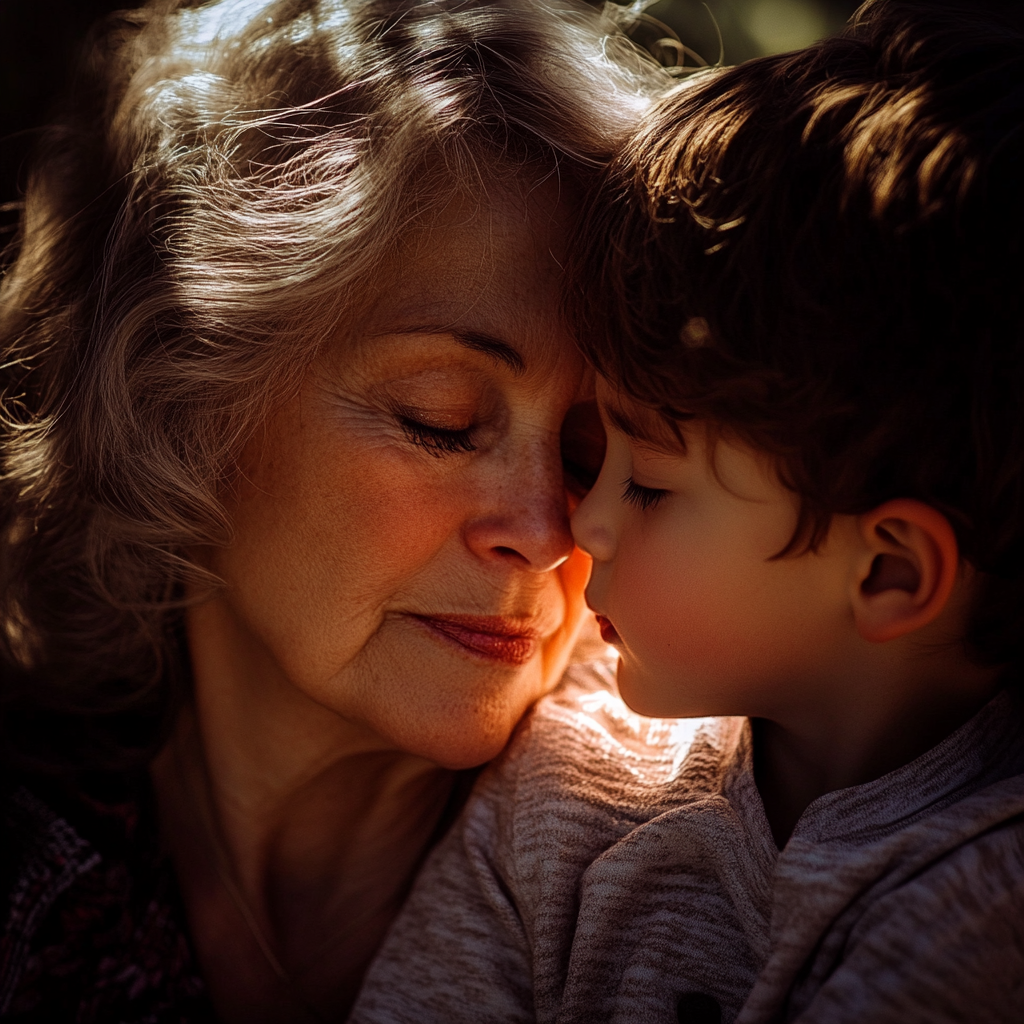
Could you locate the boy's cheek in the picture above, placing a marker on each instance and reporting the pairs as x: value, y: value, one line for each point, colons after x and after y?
x: 656, y: 604
x: 681, y: 648
x: 655, y: 624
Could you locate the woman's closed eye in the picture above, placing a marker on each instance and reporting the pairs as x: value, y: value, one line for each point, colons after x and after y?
x: 437, y: 441
x: 641, y: 497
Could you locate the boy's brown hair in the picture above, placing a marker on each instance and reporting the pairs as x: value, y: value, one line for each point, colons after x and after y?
x: 821, y: 251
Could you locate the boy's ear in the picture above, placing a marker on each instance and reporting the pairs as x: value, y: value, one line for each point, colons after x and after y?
x: 906, y: 569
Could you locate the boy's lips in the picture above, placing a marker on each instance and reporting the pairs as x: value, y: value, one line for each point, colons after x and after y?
x: 507, y: 640
x: 608, y: 632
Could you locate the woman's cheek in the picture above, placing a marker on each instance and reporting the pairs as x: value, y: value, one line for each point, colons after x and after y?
x: 391, y: 519
x: 572, y: 578
x: 327, y: 539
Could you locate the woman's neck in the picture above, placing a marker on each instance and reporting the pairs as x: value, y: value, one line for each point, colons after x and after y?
x: 295, y: 835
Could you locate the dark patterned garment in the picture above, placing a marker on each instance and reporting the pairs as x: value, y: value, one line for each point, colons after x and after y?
x: 94, y: 928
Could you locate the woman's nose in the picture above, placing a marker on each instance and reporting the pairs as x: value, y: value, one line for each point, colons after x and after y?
x: 525, y: 518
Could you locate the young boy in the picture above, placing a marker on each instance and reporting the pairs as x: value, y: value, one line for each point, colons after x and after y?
x: 801, y: 290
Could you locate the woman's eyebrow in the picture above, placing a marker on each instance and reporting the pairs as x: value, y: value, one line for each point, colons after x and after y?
x: 478, y: 341
x: 495, y: 347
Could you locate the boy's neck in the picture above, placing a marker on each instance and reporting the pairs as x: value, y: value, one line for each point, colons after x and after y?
x: 797, y: 762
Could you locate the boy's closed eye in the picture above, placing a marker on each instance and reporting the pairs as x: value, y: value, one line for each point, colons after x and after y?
x: 642, y: 497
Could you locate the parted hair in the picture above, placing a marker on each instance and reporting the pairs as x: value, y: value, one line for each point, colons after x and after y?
x: 217, y: 200
x: 821, y: 252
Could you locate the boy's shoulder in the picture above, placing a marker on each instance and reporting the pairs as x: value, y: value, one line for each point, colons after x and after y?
x: 489, y: 930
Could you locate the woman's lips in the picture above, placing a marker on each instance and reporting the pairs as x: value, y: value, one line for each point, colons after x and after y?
x: 608, y: 633
x: 505, y: 640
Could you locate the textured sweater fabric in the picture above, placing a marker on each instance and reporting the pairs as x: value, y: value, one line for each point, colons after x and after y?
x: 613, y: 868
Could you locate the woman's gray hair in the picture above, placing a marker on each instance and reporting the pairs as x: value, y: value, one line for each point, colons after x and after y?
x: 219, y: 195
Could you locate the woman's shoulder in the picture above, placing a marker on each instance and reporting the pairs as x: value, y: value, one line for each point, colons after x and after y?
x: 583, y: 770
x: 91, y: 926
x: 584, y: 742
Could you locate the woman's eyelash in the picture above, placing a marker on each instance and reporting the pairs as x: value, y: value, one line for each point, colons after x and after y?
x: 438, y: 441
x: 642, y: 498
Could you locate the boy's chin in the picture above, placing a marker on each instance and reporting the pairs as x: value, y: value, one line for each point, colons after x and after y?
x: 652, y: 696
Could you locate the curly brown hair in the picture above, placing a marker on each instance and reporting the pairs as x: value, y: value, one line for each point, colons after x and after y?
x: 820, y: 251
x: 216, y: 202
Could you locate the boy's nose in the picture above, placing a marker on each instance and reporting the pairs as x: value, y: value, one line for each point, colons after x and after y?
x: 591, y: 528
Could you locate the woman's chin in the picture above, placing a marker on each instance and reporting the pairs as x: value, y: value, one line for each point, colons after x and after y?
x: 464, y: 729
x: 466, y: 735
x: 463, y: 743
x: 443, y: 701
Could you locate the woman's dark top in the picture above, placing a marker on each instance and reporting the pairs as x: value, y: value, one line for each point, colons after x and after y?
x: 94, y: 926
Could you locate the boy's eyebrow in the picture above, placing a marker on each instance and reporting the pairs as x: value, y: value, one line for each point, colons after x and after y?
x: 650, y: 429
x: 621, y: 420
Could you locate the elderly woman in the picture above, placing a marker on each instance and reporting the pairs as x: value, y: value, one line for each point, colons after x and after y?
x: 288, y: 411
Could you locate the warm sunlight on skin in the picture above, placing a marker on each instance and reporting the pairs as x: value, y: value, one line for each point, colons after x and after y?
x: 415, y: 480
x: 707, y: 622
x: 848, y: 655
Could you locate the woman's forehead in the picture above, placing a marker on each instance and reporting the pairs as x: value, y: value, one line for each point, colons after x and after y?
x: 476, y: 234
x: 489, y: 272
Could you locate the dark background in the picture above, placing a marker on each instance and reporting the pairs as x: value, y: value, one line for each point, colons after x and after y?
x: 39, y: 38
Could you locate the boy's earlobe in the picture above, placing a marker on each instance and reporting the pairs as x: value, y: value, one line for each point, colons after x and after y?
x: 906, y: 570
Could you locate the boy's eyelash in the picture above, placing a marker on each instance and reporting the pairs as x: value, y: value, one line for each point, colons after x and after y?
x: 438, y: 441
x: 642, y: 498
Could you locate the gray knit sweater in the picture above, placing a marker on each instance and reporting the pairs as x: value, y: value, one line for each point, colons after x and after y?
x: 615, y: 868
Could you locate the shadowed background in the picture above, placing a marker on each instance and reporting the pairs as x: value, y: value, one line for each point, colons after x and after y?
x: 39, y: 38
